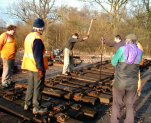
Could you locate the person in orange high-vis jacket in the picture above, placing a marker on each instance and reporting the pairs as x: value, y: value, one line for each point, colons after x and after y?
x: 35, y: 63
x: 8, y: 49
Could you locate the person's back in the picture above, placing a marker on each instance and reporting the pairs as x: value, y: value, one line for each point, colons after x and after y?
x: 127, y: 60
x: 71, y: 42
x: 126, y: 85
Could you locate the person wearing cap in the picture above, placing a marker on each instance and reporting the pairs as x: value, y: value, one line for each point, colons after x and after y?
x: 68, y: 55
x: 35, y: 63
x: 125, y: 87
x: 8, y: 49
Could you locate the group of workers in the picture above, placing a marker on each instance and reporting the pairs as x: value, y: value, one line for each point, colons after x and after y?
x: 127, y: 83
x: 34, y: 61
x: 126, y: 60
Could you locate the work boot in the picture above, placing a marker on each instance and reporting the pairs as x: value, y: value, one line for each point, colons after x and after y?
x: 11, y: 83
x: 26, y: 107
x: 5, y: 85
x: 67, y: 74
x: 39, y: 110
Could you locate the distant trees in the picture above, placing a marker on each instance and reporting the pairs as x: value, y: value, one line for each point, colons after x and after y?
x: 147, y: 4
x: 139, y: 22
x: 2, y: 25
x: 116, y: 10
x: 117, y: 17
x: 27, y: 11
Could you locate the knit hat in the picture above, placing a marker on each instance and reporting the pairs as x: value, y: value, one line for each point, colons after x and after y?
x: 132, y: 37
x: 38, y: 24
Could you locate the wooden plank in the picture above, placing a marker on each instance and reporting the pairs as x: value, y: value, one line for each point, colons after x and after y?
x: 54, y: 92
x: 105, y: 98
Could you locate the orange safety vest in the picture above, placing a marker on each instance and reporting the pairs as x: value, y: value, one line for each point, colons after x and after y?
x: 28, y: 58
x: 8, y: 46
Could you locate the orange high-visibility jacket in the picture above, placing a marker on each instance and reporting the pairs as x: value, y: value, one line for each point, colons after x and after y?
x: 8, y: 46
x: 28, y: 58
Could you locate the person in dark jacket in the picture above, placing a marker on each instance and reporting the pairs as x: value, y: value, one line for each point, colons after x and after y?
x: 126, y: 61
x: 35, y: 63
x: 117, y: 43
x: 68, y: 61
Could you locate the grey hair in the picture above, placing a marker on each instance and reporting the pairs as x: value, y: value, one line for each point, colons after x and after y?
x: 40, y: 30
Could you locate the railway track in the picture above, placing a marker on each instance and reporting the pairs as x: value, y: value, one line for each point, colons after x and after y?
x: 85, y: 96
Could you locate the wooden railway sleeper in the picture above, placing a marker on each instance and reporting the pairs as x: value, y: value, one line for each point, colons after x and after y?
x: 61, y: 117
x: 77, y: 97
x: 59, y: 108
x: 76, y: 106
x: 13, y: 94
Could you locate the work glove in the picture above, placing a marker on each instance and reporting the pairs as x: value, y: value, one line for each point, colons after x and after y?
x: 41, y: 73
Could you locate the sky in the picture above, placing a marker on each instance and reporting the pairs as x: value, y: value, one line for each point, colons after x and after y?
x: 5, y: 3
x: 73, y: 3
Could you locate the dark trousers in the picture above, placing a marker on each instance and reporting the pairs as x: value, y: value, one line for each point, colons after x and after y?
x: 34, y: 89
x: 121, y: 98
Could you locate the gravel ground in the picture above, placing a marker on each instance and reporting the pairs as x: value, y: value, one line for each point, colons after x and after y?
x: 142, y: 115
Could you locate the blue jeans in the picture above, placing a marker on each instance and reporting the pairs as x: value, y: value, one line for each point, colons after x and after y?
x: 8, y: 67
x: 34, y: 89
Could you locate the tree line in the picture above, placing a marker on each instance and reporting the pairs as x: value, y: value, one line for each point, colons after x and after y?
x: 112, y: 17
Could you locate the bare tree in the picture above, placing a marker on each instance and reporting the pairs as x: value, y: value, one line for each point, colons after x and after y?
x: 26, y: 10
x: 116, y: 9
x: 147, y: 6
x: 148, y: 13
x: 2, y: 23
